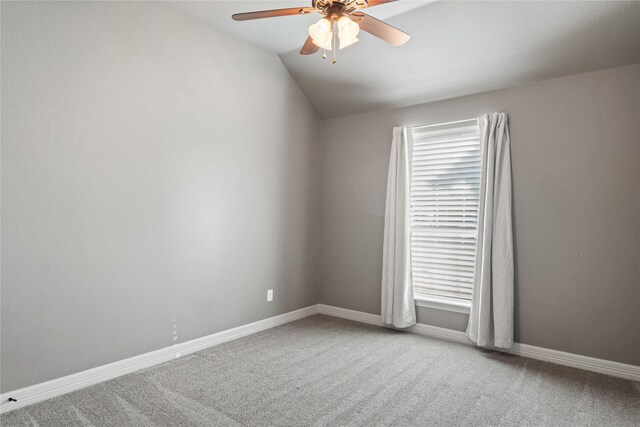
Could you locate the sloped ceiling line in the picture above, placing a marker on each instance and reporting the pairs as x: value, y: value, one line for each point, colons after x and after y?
x: 456, y: 48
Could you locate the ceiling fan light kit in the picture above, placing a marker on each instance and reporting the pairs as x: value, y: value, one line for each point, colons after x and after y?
x: 347, y: 31
x: 322, y: 33
x: 342, y: 18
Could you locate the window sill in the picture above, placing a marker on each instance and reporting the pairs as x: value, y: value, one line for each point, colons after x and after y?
x: 443, y: 304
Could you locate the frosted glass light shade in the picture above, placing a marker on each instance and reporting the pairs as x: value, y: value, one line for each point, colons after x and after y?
x: 321, y: 33
x: 347, y: 32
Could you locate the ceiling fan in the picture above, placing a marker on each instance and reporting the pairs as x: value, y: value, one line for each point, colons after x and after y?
x: 342, y: 19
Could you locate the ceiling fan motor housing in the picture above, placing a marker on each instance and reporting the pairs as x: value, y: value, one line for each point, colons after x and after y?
x: 334, y: 8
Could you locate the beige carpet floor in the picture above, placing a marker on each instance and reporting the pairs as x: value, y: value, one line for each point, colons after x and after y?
x: 324, y: 371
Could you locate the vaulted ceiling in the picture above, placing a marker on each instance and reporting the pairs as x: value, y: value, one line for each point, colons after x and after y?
x: 457, y: 48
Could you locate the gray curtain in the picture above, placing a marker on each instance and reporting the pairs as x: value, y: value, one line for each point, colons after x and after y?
x: 398, y: 306
x: 491, y: 315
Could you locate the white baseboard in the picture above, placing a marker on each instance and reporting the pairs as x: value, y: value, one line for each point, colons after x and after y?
x: 46, y: 390
x: 345, y: 313
x: 607, y: 367
x: 442, y: 333
x: 601, y: 366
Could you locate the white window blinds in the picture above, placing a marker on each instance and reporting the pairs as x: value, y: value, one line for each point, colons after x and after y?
x: 445, y: 188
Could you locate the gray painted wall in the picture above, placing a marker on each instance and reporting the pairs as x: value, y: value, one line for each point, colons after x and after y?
x: 157, y: 177
x: 576, y: 180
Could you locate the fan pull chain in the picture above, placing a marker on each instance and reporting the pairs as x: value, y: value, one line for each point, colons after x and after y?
x: 324, y: 53
x: 335, y: 46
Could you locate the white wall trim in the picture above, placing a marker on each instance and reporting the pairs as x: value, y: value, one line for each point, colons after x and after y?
x: 607, y: 367
x: 46, y: 390
x: 601, y: 366
x: 345, y: 313
x: 59, y: 386
x: 442, y: 333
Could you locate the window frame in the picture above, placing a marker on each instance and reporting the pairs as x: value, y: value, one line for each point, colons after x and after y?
x: 442, y: 303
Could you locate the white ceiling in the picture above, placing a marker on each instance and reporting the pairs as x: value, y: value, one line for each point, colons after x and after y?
x: 457, y: 48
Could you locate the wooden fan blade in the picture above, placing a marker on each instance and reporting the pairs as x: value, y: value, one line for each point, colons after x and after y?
x: 381, y: 29
x: 371, y: 3
x: 309, y: 47
x: 272, y: 13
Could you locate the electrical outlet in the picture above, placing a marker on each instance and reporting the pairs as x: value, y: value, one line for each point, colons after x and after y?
x: 270, y: 295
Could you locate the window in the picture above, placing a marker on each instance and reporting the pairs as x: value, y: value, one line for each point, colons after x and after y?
x: 445, y: 189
